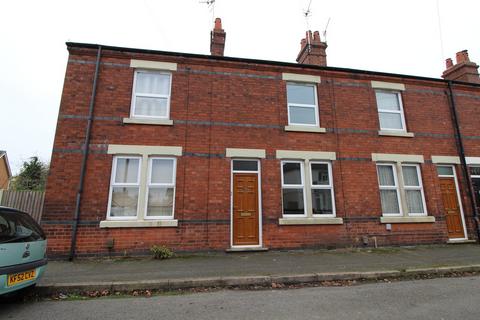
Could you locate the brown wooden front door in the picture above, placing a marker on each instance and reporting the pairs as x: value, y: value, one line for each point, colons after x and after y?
x: 245, y: 209
x: 452, y: 209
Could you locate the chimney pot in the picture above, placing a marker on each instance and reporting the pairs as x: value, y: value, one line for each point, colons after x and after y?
x: 449, y: 63
x: 218, y: 24
x: 462, y: 56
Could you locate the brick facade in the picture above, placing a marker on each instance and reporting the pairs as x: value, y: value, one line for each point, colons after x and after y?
x: 219, y: 103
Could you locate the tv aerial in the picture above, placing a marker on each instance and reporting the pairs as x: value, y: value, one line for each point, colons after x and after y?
x: 211, y: 6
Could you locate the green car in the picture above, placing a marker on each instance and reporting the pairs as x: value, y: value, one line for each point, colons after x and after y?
x: 23, y: 249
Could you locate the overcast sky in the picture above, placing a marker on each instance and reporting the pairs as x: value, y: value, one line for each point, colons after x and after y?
x: 400, y: 36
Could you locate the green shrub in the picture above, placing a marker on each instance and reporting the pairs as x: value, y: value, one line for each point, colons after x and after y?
x: 161, y: 252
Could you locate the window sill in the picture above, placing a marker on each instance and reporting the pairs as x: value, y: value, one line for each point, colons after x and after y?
x: 137, y: 223
x: 421, y: 219
x: 158, y: 122
x: 396, y: 134
x: 305, y: 129
x: 303, y: 221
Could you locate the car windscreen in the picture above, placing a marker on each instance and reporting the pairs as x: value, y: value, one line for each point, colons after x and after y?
x: 18, y: 227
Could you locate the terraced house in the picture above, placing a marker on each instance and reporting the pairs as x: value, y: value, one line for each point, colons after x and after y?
x: 207, y: 152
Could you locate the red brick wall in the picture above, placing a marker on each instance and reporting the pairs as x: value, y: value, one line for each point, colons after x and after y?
x: 245, y: 94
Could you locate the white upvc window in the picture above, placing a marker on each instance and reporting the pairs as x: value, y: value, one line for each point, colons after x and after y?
x: 151, y: 94
x: 302, y: 104
x: 390, y: 110
x: 401, y: 197
x: 389, y: 190
x: 124, y: 188
x: 293, y: 188
x: 323, y: 199
x: 414, y: 196
x: 160, y: 195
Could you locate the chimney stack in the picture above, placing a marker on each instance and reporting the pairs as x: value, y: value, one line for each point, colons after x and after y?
x: 312, y: 50
x: 464, y: 69
x: 217, y: 39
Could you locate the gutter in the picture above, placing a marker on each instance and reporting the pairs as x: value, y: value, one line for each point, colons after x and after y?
x: 85, y: 150
x: 264, y: 62
x: 461, y: 151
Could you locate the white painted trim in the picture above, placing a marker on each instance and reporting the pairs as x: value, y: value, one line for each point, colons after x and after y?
x: 305, y: 155
x: 446, y: 159
x: 396, y: 133
x: 260, y: 221
x: 391, y: 157
x: 303, y: 221
x: 144, y: 150
x: 158, y: 122
x: 305, y: 129
x: 472, y: 160
x: 300, y: 77
x: 410, y: 219
x: 154, y: 65
x: 138, y: 223
x: 245, y: 153
x: 388, y: 85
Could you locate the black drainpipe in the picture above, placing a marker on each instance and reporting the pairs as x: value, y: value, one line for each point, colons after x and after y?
x: 85, y: 149
x: 461, y: 150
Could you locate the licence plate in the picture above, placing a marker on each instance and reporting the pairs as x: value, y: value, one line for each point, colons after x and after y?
x: 16, y: 278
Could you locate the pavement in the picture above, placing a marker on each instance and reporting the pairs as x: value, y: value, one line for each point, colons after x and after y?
x: 257, y: 268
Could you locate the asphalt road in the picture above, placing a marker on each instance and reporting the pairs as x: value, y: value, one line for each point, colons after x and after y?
x: 451, y: 298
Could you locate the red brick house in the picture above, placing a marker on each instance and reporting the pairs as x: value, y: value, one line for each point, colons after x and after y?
x: 206, y: 152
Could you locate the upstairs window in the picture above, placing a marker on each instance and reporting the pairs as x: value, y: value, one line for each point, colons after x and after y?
x: 302, y: 104
x: 151, y: 95
x: 390, y: 110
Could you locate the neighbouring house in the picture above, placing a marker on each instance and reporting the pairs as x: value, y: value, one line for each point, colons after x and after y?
x: 207, y: 152
x: 5, y: 172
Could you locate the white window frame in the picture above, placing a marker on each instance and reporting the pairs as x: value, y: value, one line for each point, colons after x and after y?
x: 150, y: 95
x: 401, y: 189
x: 295, y: 186
x: 324, y: 187
x: 401, y: 111
x: 149, y: 184
x: 114, y: 184
x: 419, y: 187
x: 315, y: 107
x: 395, y: 187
